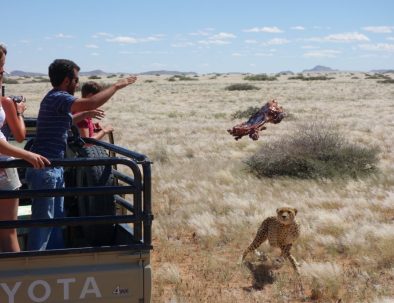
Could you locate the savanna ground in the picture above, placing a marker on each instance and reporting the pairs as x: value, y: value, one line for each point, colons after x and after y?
x: 207, y: 207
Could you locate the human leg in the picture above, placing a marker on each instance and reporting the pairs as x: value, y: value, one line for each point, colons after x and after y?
x: 42, y: 207
x: 8, y: 237
x: 56, y: 240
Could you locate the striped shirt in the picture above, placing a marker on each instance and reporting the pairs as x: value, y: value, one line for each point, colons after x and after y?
x: 53, y: 122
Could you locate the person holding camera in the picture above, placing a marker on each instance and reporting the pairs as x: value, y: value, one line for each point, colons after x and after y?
x: 53, y: 122
x: 12, y: 113
x: 84, y: 119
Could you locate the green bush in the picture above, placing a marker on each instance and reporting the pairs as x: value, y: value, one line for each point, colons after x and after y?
x: 314, y: 150
x: 311, y: 78
x: 241, y: 114
x: 94, y: 77
x: 241, y: 86
x: 10, y: 81
x: 260, y: 77
x: 182, y: 78
x: 377, y: 77
x: 386, y: 81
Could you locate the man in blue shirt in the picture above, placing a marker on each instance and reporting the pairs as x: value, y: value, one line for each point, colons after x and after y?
x: 53, y: 122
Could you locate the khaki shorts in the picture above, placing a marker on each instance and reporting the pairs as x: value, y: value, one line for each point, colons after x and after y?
x: 9, y: 179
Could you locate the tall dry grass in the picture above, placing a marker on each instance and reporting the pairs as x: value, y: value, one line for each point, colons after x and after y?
x: 208, y: 207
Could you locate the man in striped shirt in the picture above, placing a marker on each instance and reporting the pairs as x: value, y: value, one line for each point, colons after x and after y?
x: 53, y: 122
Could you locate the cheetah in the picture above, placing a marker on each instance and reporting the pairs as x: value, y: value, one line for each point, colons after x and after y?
x: 281, y: 231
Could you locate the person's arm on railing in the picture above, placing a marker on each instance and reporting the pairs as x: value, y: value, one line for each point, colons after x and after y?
x: 36, y: 160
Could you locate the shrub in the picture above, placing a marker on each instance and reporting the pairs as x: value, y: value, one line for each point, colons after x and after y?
x: 311, y: 78
x: 242, y: 86
x: 10, y: 81
x: 376, y: 77
x: 240, y: 114
x: 181, y: 78
x: 314, y: 150
x: 260, y: 77
x: 386, y: 81
x: 94, y: 77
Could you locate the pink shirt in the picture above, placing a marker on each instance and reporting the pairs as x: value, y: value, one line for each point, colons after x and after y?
x: 87, y: 123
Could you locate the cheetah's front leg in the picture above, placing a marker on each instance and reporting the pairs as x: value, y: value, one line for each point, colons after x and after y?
x: 260, y: 237
x: 286, y: 253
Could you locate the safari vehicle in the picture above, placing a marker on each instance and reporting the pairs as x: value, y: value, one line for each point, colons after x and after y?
x: 107, y: 229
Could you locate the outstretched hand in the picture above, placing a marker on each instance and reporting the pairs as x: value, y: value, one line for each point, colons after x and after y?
x: 95, y: 113
x: 125, y: 82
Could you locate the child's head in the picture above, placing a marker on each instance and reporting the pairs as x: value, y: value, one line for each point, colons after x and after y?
x: 90, y: 88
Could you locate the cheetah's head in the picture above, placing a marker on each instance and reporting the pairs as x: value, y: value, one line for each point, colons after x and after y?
x: 286, y: 215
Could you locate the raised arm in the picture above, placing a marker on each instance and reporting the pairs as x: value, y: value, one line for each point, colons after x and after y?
x: 95, y: 101
x: 14, y: 117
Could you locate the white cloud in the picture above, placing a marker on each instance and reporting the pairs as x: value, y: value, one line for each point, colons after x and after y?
x: 218, y: 39
x: 386, y: 47
x: 102, y: 34
x: 379, y: 29
x: 91, y: 46
x: 390, y: 38
x: 94, y: 54
x: 132, y: 40
x: 63, y: 36
x: 251, y: 41
x: 123, y: 40
x: 327, y: 53
x: 217, y: 42
x: 299, y: 28
x: 342, y: 37
x: 346, y: 37
x: 265, y: 29
x: 276, y: 41
x: 150, y: 39
x: 237, y: 55
x: 182, y: 44
x: 222, y: 36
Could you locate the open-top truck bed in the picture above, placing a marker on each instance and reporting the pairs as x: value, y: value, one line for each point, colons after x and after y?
x: 107, y: 231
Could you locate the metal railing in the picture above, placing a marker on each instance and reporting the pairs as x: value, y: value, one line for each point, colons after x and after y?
x: 138, y: 185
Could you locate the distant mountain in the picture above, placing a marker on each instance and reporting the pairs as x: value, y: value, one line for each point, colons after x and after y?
x: 19, y: 73
x: 320, y: 69
x: 96, y: 72
x: 167, y: 72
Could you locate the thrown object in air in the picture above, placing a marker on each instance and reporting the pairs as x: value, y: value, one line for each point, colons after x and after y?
x: 271, y: 112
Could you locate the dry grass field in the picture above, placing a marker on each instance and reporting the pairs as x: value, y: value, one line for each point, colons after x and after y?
x: 207, y: 207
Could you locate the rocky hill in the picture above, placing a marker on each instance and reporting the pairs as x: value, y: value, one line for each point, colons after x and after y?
x: 320, y: 69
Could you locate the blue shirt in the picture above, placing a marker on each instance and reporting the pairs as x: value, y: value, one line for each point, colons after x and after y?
x: 53, y: 122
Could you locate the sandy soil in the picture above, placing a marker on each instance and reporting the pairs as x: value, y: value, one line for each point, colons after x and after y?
x: 207, y: 207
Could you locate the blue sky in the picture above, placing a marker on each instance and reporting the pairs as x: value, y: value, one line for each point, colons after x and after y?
x: 203, y: 36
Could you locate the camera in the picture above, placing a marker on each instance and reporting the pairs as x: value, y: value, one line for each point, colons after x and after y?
x: 18, y: 99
